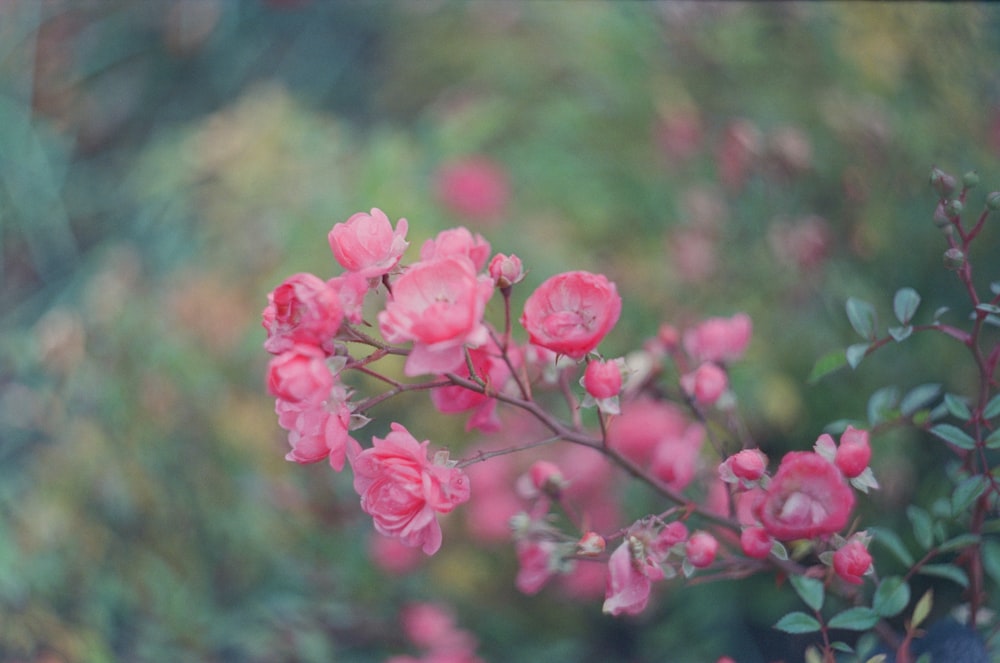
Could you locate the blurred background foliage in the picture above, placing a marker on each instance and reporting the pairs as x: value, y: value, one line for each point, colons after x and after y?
x: 163, y: 165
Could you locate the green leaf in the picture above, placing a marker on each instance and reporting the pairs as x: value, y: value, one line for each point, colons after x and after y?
x: 893, y: 543
x: 861, y: 315
x: 900, y: 334
x: 854, y: 619
x: 993, y: 441
x: 990, y: 552
x: 992, y: 408
x: 941, y: 311
x: 882, y: 404
x: 954, y: 435
x: 922, y: 524
x: 947, y: 571
x: 958, y: 407
x: 988, y: 308
x: 810, y: 590
x: 828, y: 363
x: 959, y: 542
x: 842, y: 646
x: 797, y: 622
x: 922, y: 609
x: 919, y: 397
x: 905, y: 304
x: 967, y: 492
x: 855, y: 353
x: 891, y: 597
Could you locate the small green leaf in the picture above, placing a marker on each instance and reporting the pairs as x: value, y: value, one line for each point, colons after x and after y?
x: 842, y: 646
x: 988, y: 308
x: 900, y: 334
x: 919, y: 397
x: 941, y: 311
x: 990, y: 552
x: 893, y: 543
x: 947, y: 571
x: 992, y: 408
x: 861, y: 315
x: 954, y: 435
x: 810, y: 590
x: 854, y: 619
x: 922, y: 609
x: 797, y: 622
x: 855, y: 353
x: 891, y: 597
x: 882, y: 404
x: 967, y: 492
x: 922, y: 524
x: 993, y: 441
x: 877, y: 658
x: 828, y: 363
x: 958, y: 407
x: 905, y: 304
x: 959, y: 542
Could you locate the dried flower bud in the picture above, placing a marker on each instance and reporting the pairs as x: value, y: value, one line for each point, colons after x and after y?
x: 954, y: 259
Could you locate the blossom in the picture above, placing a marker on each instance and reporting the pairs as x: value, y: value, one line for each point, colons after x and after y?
x: 756, y: 542
x: 316, y: 432
x: 807, y: 497
x: 570, y: 313
x: 438, y: 305
x: 631, y: 572
x: 457, y: 242
x: 367, y: 244
x: 473, y: 187
x: 701, y: 549
x: 535, y: 565
x: 643, y: 425
x: 303, y: 309
x: 602, y: 379
x: 489, y: 367
x: 719, y: 339
x: 403, y: 491
x: 675, y: 458
x: 747, y: 465
x: 706, y: 383
x: 506, y: 270
x: 853, y: 453
x: 851, y: 561
x: 300, y: 375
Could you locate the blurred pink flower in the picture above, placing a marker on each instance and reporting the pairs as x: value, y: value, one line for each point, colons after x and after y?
x: 489, y: 367
x: 392, y: 555
x: 701, y: 549
x: 303, y: 309
x: 367, y: 244
x: 741, y: 145
x: 641, y: 426
x: 439, y: 306
x: 756, y: 542
x: 719, y: 339
x: 745, y: 465
x: 570, y: 313
x: 300, y: 375
x: 807, y: 497
x: 403, y: 490
x: 534, y: 565
x: 457, y: 242
x: 675, y: 458
x: 476, y: 188
x: 706, y: 383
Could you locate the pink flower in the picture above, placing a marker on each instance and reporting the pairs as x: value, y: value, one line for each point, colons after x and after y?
x: 392, y: 556
x: 747, y: 465
x: 546, y: 477
x: 570, y: 313
x: 701, y: 549
x: 403, y: 491
x: 719, y: 339
x: 351, y: 287
x: 675, y: 458
x: 534, y: 565
x: 630, y: 579
x: 643, y: 424
x: 300, y: 375
x: 756, y: 542
x: 506, y: 270
x: 316, y: 432
x: 489, y: 367
x: 808, y: 497
x: 439, y: 306
x: 473, y: 187
x: 706, y: 383
x: 457, y: 242
x: 590, y: 544
x: 303, y: 309
x: 367, y: 244
x: 854, y: 452
x: 851, y: 561
x: 602, y: 379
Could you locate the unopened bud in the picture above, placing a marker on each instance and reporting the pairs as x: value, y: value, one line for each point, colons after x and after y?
x: 970, y: 179
x: 993, y: 201
x: 941, y: 219
x: 942, y: 182
x: 547, y: 478
x: 954, y: 259
x: 590, y: 544
x: 954, y: 207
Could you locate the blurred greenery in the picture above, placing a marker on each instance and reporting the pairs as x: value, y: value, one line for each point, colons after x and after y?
x: 163, y: 165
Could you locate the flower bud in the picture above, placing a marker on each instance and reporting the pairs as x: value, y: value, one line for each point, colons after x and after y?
x: 590, y: 544
x: 602, y: 379
x: 547, y: 478
x: 970, y: 179
x: 506, y: 270
x: 701, y: 549
x: 954, y: 259
x: 953, y: 207
x: 942, y: 182
x: 941, y: 219
x: 993, y: 201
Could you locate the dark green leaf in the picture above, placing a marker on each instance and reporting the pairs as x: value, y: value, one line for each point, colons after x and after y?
x: 993, y: 441
x: 900, y: 334
x: 842, y: 646
x: 905, y: 304
x: 797, y: 622
x: 881, y: 405
x: 991, y: 559
x: 861, y: 314
x: 992, y: 408
x: 922, y: 523
x: 954, y: 435
x: 893, y: 543
x: 959, y: 542
x: 854, y: 619
x: 828, y: 363
x: 855, y: 353
x: 891, y: 597
x: 810, y: 590
x: 919, y: 397
x: 958, y: 407
x: 948, y: 571
x: 967, y: 492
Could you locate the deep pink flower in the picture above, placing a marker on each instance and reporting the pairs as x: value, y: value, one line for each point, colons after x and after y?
x: 851, y: 561
x: 506, y: 270
x: 706, y: 383
x: 807, y: 497
x: 300, y: 375
x: 403, y: 490
x: 303, y: 309
x: 747, y: 465
x: 570, y: 313
x: 473, y: 187
x: 534, y: 565
x: 701, y: 549
x: 457, y: 242
x: 489, y: 367
x: 367, y: 244
x: 854, y: 452
x: 719, y: 339
x: 602, y: 379
x: 316, y: 432
x: 756, y: 542
x: 439, y: 306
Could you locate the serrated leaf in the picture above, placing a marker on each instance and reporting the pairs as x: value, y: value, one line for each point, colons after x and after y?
x: 855, y: 353
x: 854, y: 619
x: 861, y: 315
x: 992, y: 408
x: 919, y: 397
x: 828, y: 363
x: 957, y: 407
x: 809, y: 590
x: 954, y: 435
x: 947, y: 571
x: 891, y: 596
x: 797, y: 622
x: 900, y: 334
x: 922, y: 609
x: 993, y: 441
x: 892, y: 543
x: 905, y: 304
x: 922, y: 523
x: 958, y: 542
x: 881, y: 405
x: 967, y: 492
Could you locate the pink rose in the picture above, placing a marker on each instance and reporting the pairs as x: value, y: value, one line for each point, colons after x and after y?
x: 570, y: 313
x: 473, y: 187
x: 807, y: 497
x: 719, y: 339
x: 706, y: 383
x: 403, y: 491
x: 457, y: 242
x: 367, y: 244
x: 439, y: 306
x: 300, y: 375
x: 602, y: 379
x: 701, y: 549
x: 315, y: 432
x: 303, y: 309
x: 851, y: 561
